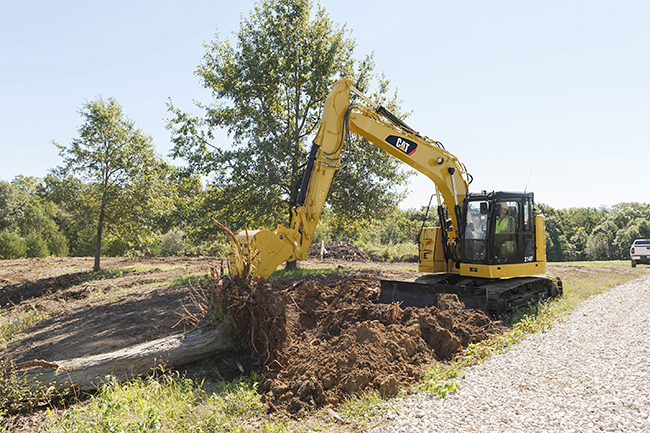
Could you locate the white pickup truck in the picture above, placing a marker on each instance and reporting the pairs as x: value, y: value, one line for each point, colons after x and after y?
x: 640, y: 252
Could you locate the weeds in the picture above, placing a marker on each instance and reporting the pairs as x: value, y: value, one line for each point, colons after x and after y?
x: 165, y: 402
x: 186, y: 280
x: 361, y: 409
x: 107, y: 273
x: 399, y: 252
x: 17, y: 395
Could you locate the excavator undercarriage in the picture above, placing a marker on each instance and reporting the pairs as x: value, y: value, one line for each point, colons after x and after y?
x: 494, y: 296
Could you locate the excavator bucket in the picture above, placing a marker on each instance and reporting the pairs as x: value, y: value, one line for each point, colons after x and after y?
x: 257, y: 252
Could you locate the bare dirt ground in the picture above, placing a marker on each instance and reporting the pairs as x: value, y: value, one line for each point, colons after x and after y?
x: 331, y: 339
x: 92, y: 314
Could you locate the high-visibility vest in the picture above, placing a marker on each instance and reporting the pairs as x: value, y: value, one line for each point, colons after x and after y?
x: 504, y: 224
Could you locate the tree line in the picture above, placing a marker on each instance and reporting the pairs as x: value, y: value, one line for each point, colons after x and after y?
x: 595, y: 233
x: 168, y: 212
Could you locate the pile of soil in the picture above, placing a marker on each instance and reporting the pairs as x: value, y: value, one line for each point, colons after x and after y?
x: 339, y: 251
x: 317, y: 340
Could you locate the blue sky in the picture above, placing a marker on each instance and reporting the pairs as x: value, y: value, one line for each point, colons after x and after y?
x: 555, y: 90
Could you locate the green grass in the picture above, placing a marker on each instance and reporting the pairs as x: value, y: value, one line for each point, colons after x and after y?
x: 404, y: 251
x: 185, y: 280
x: 107, y: 273
x: 167, y: 402
x: 360, y: 410
x: 296, y: 274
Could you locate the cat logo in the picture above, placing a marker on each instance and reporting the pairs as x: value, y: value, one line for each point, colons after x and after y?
x: 405, y: 145
x: 473, y: 269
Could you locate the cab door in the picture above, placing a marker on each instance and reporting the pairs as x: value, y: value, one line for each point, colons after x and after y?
x: 513, y: 228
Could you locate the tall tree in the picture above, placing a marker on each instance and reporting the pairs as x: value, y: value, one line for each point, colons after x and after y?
x: 112, y: 155
x: 268, y: 93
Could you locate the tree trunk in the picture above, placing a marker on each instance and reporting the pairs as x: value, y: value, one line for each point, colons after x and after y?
x: 90, y: 372
x: 98, y: 243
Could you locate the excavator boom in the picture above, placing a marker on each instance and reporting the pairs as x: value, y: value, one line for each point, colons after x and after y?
x: 483, y: 239
x: 381, y: 128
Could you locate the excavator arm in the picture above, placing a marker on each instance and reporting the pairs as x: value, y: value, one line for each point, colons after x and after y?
x: 263, y: 251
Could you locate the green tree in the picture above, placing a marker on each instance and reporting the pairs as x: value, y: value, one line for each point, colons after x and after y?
x: 75, y: 215
x: 268, y: 95
x: 598, y: 246
x: 40, y: 220
x: 555, y: 237
x: 137, y: 228
x: 13, y: 205
x: 29, y: 215
x: 12, y: 246
x: 35, y: 245
x: 113, y: 156
x: 579, y: 242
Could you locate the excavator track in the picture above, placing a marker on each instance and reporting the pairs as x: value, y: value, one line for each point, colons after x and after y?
x: 494, y: 296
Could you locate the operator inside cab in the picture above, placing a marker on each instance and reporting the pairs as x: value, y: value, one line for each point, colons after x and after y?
x: 505, y: 223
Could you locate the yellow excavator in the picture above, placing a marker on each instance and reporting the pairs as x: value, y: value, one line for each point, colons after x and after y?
x: 490, y: 249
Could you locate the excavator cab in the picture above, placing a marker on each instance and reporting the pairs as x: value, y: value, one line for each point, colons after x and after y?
x: 498, y: 228
x: 498, y: 236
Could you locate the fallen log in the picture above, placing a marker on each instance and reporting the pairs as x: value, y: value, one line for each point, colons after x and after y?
x: 90, y: 372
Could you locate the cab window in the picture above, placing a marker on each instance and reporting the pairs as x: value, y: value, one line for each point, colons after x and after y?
x: 475, y: 223
x: 474, y: 246
x: 506, y: 226
x: 506, y: 217
x: 528, y: 215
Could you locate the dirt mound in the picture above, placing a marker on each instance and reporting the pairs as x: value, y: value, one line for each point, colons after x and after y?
x: 317, y: 340
x: 338, y: 250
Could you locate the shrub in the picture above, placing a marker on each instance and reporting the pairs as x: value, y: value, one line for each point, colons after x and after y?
x: 35, y: 245
x: 12, y: 246
x: 172, y: 243
x: 57, y: 244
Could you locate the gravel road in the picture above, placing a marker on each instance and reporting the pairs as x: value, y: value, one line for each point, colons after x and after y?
x: 591, y: 372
